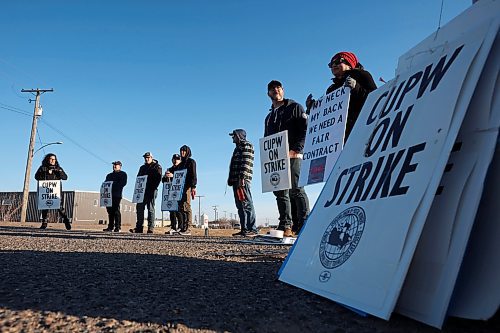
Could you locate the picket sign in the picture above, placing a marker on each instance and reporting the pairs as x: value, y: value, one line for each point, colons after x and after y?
x: 105, y: 197
x: 177, y: 188
x: 49, y: 194
x: 166, y: 204
x: 139, y: 189
x: 360, y: 238
x: 325, y: 136
x: 275, y: 163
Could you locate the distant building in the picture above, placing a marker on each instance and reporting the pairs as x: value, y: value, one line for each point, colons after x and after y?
x: 81, y: 207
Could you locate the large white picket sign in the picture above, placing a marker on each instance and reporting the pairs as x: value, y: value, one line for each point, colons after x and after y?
x: 139, y: 189
x: 106, y: 199
x: 177, y: 188
x: 275, y: 163
x: 49, y: 194
x: 359, y: 239
x: 325, y: 136
x: 430, y: 281
x: 166, y: 204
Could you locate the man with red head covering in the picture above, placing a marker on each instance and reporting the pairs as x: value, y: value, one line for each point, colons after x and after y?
x: 347, y: 71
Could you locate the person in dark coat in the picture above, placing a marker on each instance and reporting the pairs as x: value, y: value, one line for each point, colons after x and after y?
x: 189, y: 189
x: 152, y: 169
x: 286, y: 114
x: 347, y: 71
x: 119, y: 179
x: 51, y: 170
x: 175, y: 216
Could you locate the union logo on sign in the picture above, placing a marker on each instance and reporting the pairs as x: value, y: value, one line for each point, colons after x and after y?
x: 49, y: 203
x: 275, y: 179
x: 341, y: 237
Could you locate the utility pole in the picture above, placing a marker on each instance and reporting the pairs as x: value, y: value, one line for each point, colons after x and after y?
x: 199, y: 209
x: 215, y: 210
x: 36, y: 113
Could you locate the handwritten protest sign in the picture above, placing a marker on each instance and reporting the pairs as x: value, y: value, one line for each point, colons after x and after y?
x: 325, y: 136
x: 275, y: 164
x: 140, y: 188
x: 105, y: 194
x: 49, y: 194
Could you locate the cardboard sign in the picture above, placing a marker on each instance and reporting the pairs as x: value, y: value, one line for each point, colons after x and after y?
x: 105, y: 194
x: 168, y: 205
x: 177, y: 188
x: 139, y: 189
x: 275, y: 164
x: 325, y: 136
x: 49, y: 194
x: 359, y: 239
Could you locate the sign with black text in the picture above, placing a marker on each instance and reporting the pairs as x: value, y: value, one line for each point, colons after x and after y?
x: 177, y: 188
x: 49, y: 194
x: 325, y: 136
x: 105, y: 194
x: 275, y: 163
x: 139, y: 189
x: 166, y: 204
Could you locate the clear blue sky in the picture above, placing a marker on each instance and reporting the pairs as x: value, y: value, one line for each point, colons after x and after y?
x: 137, y: 76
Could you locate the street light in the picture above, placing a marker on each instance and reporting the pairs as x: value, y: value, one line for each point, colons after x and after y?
x: 47, y: 144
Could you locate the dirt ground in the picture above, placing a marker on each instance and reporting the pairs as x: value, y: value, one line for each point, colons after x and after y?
x: 86, y: 280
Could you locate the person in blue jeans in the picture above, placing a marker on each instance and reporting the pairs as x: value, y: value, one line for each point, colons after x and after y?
x: 152, y: 169
x: 240, y: 177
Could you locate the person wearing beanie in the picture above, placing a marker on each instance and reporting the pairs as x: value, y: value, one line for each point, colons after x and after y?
x: 175, y: 216
x: 286, y: 114
x: 188, y: 163
x: 119, y: 179
x: 347, y: 71
x: 152, y: 169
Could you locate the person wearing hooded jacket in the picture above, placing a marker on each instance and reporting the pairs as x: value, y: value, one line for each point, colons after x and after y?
x: 286, y: 114
x: 51, y: 170
x: 240, y: 177
x: 152, y: 169
x: 189, y: 189
x: 347, y: 71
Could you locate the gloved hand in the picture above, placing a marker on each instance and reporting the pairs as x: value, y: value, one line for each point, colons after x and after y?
x: 350, y: 82
x: 309, y: 103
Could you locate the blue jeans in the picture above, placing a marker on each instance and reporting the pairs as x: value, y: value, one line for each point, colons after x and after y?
x: 246, y: 211
x: 295, y: 194
x: 148, y: 203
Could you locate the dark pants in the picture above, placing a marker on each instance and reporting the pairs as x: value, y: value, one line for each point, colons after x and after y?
x: 295, y: 194
x: 185, y: 211
x: 149, y: 203
x: 62, y: 212
x: 175, y: 220
x: 246, y: 211
x: 114, y: 215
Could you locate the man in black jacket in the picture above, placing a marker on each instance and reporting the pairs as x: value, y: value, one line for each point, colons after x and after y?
x: 152, y: 169
x: 286, y: 114
x: 51, y: 170
x: 189, y: 189
x: 119, y: 179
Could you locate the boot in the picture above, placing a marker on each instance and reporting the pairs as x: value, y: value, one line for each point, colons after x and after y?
x: 67, y: 224
x: 44, y: 224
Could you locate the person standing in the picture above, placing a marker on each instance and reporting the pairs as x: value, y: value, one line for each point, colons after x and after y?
x: 189, y: 189
x: 119, y: 179
x: 347, y: 71
x: 286, y: 114
x: 152, y: 169
x: 51, y: 170
x: 175, y: 216
x: 240, y: 177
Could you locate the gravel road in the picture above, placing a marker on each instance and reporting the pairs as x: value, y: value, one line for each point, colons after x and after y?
x: 89, y: 281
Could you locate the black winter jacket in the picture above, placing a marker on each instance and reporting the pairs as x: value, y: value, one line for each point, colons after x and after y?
x: 154, y: 173
x: 189, y: 164
x: 290, y: 116
x: 364, y: 86
x: 57, y: 173
x: 119, y: 179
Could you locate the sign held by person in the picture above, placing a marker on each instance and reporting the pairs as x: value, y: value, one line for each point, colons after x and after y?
x: 105, y: 194
x: 166, y: 204
x: 177, y: 188
x: 325, y: 136
x: 275, y: 163
x: 49, y: 194
x: 140, y: 188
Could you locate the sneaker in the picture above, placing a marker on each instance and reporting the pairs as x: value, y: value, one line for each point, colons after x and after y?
x: 251, y: 233
x: 67, y: 224
x: 117, y: 230
x: 288, y: 232
x: 172, y: 232
x: 107, y: 229
x: 44, y: 225
x: 241, y: 233
x: 136, y: 231
x: 150, y: 231
x: 185, y: 233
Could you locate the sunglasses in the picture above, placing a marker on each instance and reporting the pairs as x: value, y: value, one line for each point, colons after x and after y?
x: 338, y: 61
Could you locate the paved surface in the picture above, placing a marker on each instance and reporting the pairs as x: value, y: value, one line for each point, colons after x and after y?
x: 89, y: 281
